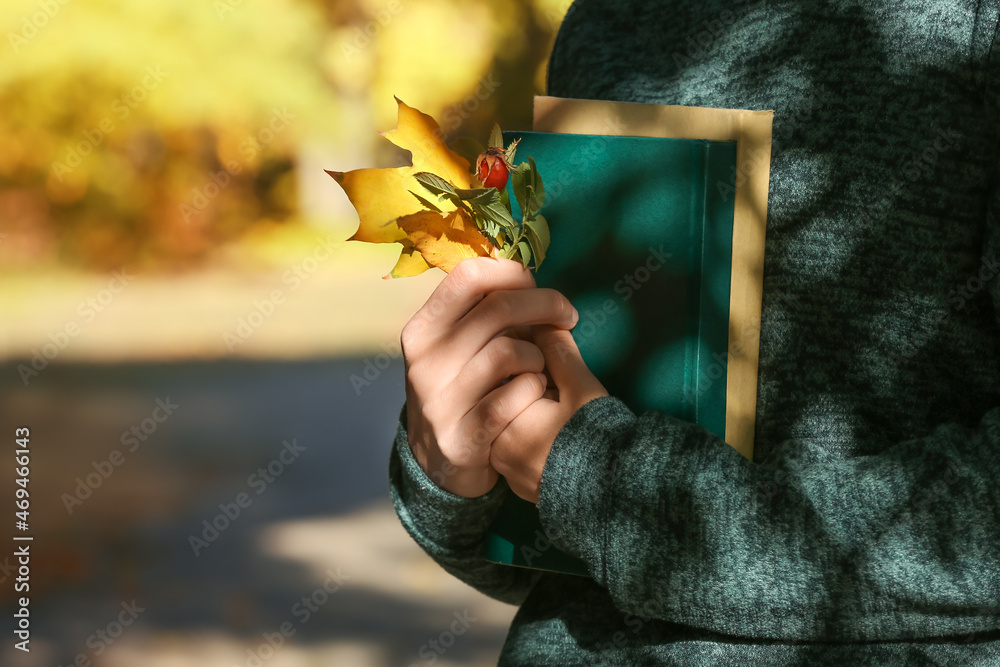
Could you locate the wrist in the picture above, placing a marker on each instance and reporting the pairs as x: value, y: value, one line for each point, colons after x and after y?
x: 468, y: 483
x: 461, y: 481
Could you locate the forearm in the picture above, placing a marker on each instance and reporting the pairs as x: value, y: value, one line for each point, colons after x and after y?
x: 679, y: 526
x: 451, y: 528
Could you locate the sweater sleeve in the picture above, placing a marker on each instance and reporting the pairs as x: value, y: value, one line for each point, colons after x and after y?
x: 679, y: 526
x: 451, y: 528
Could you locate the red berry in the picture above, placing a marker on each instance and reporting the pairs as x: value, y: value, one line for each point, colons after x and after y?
x: 492, y: 168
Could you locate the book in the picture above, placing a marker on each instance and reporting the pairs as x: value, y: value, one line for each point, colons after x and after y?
x: 656, y: 215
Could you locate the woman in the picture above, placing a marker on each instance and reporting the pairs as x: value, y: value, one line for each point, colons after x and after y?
x: 867, y: 528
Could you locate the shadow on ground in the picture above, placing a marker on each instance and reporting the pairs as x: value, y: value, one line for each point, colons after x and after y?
x: 308, y: 451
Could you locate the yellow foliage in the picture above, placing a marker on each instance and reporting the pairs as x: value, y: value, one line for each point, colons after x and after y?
x: 444, y: 239
x: 420, y: 134
x: 380, y: 196
x: 389, y: 213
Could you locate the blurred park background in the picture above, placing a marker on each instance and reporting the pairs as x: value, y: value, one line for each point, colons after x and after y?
x: 183, y: 328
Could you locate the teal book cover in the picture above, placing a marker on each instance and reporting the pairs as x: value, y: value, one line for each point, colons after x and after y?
x: 642, y: 245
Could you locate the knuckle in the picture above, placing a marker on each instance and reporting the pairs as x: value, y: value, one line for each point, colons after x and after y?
x: 407, y: 339
x: 537, y: 358
x: 429, y: 415
x: 496, y: 457
x: 411, y: 336
x: 535, y: 386
x: 469, y: 448
x: 503, y: 455
x: 497, y: 307
x: 480, y: 439
x: 467, y: 274
x: 494, y: 412
x: 501, y: 352
x: 412, y: 378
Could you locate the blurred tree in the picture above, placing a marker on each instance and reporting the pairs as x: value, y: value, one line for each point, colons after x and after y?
x: 468, y: 63
x: 150, y: 132
x: 135, y: 131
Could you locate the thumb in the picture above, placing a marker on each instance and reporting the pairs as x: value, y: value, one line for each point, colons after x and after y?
x: 565, y: 364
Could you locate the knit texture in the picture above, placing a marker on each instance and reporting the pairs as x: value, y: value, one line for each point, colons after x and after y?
x: 867, y: 528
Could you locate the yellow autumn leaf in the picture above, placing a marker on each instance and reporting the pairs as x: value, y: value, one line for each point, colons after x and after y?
x: 379, y: 196
x: 410, y: 263
x: 383, y: 199
x: 445, y: 239
x: 422, y: 136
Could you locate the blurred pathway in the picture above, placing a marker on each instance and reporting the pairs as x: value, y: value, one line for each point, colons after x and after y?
x: 319, y: 525
x: 322, y: 300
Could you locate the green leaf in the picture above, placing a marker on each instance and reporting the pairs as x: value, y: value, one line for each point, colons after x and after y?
x: 434, y: 183
x: 478, y: 195
x: 488, y: 203
x: 533, y: 207
x: 525, y: 251
x: 489, y: 228
x: 498, y: 213
x: 540, y: 227
x: 441, y: 187
x: 535, y: 190
x: 492, y: 238
x: 508, y: 251
x: 468, y: 148
x: 489, y: 225
x: 496, y: 137
x: 537, y: 233
x: 511, y: 151
x: 535, y: 250
x: 425, y: 202
x: 518, y: 183
x: 536, y: 183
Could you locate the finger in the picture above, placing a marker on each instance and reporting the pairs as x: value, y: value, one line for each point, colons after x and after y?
x: 497, y: 409
x: 522, y: 332
x: 565, y: 364
x: 501, y: 358
x: 463, y: 288
x: 501, y: 310
x: 511, y: 454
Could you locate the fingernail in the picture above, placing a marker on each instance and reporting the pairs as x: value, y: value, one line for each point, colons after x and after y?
x: 543, y: 378
x: 576, y: 317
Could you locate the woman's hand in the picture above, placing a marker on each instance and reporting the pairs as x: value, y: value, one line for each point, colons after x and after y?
x: 457, y: 359
x: 519, y: 453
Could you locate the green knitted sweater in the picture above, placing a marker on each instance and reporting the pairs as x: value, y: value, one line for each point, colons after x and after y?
x: 867, y: 528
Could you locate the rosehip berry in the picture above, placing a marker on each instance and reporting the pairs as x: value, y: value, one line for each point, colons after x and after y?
x: 492, y: 168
